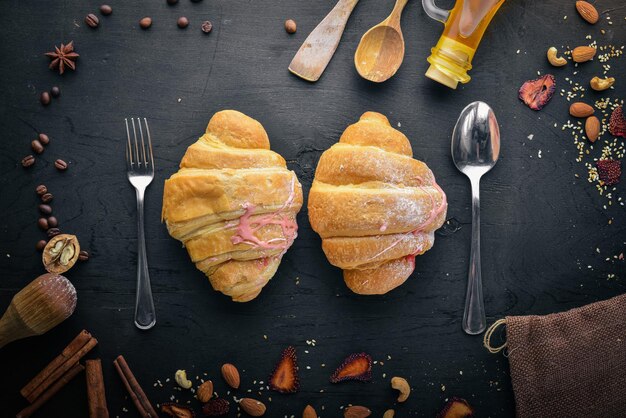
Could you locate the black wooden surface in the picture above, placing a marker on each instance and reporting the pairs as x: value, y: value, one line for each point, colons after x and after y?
x: 541, y: 225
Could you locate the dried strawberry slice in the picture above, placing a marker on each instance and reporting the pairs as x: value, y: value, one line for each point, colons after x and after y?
x: 609, y: 171
x: 177, y: 411
x: 537, y: 93
x: 216, y: 407
x: 357, y: 366
x: 617, y: 123
x: 456, y: 408
x: 284, y: 378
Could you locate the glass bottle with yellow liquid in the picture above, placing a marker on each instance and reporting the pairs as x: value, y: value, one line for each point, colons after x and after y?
x: 465, y: 24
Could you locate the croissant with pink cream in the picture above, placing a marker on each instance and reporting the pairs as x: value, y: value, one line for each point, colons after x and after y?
x: 233, y: 204
x: 375, y: 207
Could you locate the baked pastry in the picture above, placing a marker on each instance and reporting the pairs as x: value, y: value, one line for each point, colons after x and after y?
x: 233, y: 204
x: 374, y: 206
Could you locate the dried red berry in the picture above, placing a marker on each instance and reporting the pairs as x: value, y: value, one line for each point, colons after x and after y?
x: 357, y: 366
x: 216, y: 407
x: 177, y: 411
x: 537, y: 93
x: 609, y: 171
x: 284, y: 378
x: 456, y: 408
x: 617, y: 123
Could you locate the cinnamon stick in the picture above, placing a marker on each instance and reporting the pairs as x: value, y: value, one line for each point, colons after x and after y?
x: 96, y: 398
x: 71, y: 349
x: 141, y: 401
x: 51, y: 391
x: 59, y: 371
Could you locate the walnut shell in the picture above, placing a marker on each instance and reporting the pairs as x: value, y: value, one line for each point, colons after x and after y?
x: 61, y: 253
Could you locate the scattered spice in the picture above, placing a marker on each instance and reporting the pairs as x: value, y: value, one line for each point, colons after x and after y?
x: 145, y: 23
x: 182, y: 22
x: 537, y: 93
x: 106, y: 10
x: 44, y: 98
x: 290, y: 26
x: 62, y: 57
x: 206, y: 26
x: 55, y: 91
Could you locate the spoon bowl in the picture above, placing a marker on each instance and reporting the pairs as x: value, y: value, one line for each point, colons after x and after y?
x: 475, y: 150
x: 380, y: 53
x: 381, y: 50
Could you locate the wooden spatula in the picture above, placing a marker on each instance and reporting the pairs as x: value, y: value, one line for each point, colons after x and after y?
x: 43, y: 304
x: 317, y: 50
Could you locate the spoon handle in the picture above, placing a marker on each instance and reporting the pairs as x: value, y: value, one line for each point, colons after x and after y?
x: 474, y: 321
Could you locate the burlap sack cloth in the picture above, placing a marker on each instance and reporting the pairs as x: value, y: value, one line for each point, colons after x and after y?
x: 570, y: 364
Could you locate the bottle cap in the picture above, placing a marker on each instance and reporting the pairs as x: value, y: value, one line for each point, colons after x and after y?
x: 439, y: 76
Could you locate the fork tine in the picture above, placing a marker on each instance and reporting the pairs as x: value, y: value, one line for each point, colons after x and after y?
x: 137, y: 156
x: 149, y: 144
x: 143, y: 145
x: 129, y: 148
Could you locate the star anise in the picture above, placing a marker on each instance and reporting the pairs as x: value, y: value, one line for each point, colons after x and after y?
x: 62, y: 57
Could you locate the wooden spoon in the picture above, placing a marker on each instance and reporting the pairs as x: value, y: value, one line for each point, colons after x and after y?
x: 319, y: 47
x: 381, y: 50
x: 43, y: 304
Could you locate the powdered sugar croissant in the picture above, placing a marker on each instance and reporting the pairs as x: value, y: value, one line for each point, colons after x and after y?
x: 233, y: 204
x: 374, y: 206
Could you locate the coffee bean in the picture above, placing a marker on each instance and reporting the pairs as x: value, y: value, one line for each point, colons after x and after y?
x: 44, y: 98
x: 41, y: 244
x: 106, y: 10
x: 44, y: 139
x: 53, y: 232
x: 28, y: 161
x: 45, y: 209
x: 172, y: 2
x: 183, y: 22
x: 36, y: 146
x: 55, y: 91
x: 46, y: 197
x: 41, y: 189
x: 290, y: 26
x: 92, y: 20
x: 53, y: 222
x: 206, y: 26
x: 83, y: 255
x: 145, y: 23
x: 60, y: 165
x: 43, y: 223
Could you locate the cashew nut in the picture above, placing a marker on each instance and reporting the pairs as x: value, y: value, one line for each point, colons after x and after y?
x: 181, y: 379
x: 389, y: 413
x: 402, y: 385
x: 553, y: 59
x: 599, y: 84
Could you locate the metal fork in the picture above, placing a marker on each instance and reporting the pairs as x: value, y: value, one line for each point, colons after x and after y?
x: 140, y: 168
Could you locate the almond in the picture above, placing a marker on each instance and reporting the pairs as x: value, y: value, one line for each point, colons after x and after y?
x: 583, y: 53
x: 592, y: 128
x: 356, y: 412
x: 309, y: 412
x: 580, y: 110
x: 389, y: 413
x: 231, y: 375
x: 587, y: 11
x: 252, y: 407
x: 205, y: 391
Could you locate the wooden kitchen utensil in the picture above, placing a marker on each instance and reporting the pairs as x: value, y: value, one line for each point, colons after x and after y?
x: 381, y: 50
x: 317, y: 50
x: 40, y: 306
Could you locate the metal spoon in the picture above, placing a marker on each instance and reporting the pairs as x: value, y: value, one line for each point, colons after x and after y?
x: 475, y: 150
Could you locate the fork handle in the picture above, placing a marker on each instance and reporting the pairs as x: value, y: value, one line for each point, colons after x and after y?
x: 145, y: 316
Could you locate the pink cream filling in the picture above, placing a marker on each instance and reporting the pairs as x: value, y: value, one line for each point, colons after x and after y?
x: 246, y: 228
